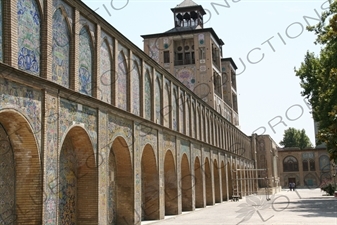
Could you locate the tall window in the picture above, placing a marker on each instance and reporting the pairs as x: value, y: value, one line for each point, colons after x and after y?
x: 312, y: 165
x: 305, y: 165
x: 290, y: 163
x: 166, y: 57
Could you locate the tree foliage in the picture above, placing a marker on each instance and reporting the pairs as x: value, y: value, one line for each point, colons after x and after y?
x: 295, y: 138
x: 318, y: 75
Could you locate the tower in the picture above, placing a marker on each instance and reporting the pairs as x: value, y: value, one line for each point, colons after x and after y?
x: 193, y: 54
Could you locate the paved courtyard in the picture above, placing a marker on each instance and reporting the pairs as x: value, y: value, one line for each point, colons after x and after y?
x: 304, y: 206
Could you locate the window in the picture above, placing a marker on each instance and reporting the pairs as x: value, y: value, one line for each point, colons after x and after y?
x: 290, y: 164
x: 166, y: 57
x: 312, y: 165
x: 305, y: 165
x: 180, y: 56
x: 202, y: 53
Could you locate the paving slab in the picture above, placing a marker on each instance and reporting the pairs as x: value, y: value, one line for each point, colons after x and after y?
x: 303, y: 206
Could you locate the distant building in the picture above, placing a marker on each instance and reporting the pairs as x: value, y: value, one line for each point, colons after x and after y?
x: 308, y: 168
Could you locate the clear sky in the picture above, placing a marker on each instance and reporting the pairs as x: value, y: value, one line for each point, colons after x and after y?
x: 269, y: 37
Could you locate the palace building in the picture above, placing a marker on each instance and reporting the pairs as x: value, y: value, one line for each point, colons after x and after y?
x: 93, y: 130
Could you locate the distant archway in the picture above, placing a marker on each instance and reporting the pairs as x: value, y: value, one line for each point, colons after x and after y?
x: 121, y: 188
x: 186, y: 185
x: 224, y: 183
x: 217, y: 193
x: 171, y: 190
x: 78, y: 202
x: 208, y: 177
x: 150, y: 185
x: 199, y: 202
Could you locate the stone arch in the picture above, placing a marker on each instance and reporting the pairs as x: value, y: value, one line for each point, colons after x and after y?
x: 217, y: 193
x: 186, y: 184
x: 208, y: 178
x: 223, y: 181
x: 171, y: 190
x: 21, y: 171
x: 78, y: 198
x: 121, y: 188
x: 198, y: 182
x: 150, y: 185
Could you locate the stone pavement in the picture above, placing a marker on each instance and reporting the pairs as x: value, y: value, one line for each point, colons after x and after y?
x: 304, y: 206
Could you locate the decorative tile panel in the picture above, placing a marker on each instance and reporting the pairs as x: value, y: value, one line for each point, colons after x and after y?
x: 61, y: 50
x: 85, y: 62
x: 28, y: 36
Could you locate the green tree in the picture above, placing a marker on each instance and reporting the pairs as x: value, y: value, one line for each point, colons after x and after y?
x: 295, y: 138
x: 318, y: 75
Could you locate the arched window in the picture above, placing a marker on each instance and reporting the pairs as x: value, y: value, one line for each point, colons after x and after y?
x: 324, y: 163
x: 290, y: 163
x: 305, y: 165
x: 29, y: 36
x: 312, y: 165
x: 85, y: 62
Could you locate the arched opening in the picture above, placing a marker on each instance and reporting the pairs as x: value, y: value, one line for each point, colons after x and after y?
x: 230, y: 181
x: 290, y: 164
x: 186, y: 185
x: 199, y: 202
x: 121, y: 194
x: 216, y: 182
x: 20, y: 170
x: 171, y: 190
x: 78, y: 198
x: 208, y: 177
x: 223, y: 180
x: 150, y: 185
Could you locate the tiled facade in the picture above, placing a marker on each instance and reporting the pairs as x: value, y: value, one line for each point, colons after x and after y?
x: 307, y: 168
x: 94, y: 131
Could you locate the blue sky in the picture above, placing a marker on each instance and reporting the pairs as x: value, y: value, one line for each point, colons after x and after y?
x: 270, y: 38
